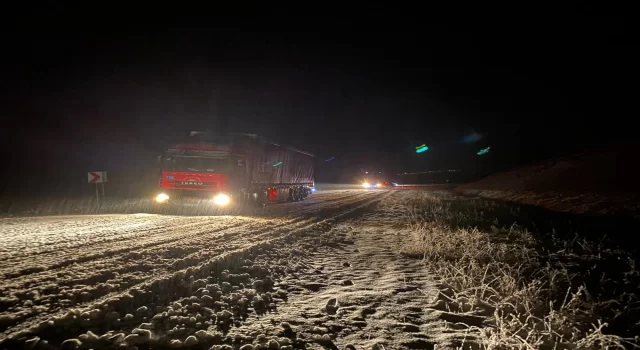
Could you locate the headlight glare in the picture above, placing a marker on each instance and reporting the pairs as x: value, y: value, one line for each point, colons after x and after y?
x: 221, y: 199
x: 162, y: 198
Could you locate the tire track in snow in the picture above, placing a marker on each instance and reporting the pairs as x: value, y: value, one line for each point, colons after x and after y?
x: 46, y: 234
x: 78, y: 256
x: 97, y: 268
x: 314, y: 204
x: 159, y: 240
x: 250, y: 238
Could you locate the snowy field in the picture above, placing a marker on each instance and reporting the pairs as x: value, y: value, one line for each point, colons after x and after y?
x: 345, y: 269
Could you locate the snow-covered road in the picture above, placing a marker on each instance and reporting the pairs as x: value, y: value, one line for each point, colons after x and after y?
x: 114, y: 275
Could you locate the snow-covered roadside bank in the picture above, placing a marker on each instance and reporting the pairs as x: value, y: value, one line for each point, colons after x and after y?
x: 626, y: 205
x: 512, y: 280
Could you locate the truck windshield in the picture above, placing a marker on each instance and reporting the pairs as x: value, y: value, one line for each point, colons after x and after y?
x: 199, y: 164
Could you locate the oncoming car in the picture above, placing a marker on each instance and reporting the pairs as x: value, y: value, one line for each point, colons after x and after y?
x: 371, y: 183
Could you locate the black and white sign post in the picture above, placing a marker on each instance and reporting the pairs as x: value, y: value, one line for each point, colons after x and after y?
x: 97, y: 177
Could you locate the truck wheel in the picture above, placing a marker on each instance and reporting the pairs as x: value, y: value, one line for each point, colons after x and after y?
x: 258, y: 199
x: 295, y: 195
x: 300, y: 192
x: 263, y: 198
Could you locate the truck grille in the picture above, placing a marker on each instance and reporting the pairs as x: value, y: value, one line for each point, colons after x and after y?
x: 193, y: 184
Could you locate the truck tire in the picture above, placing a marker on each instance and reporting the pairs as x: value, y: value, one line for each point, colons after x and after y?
x: 300, y: 192
x: 258, y: 199
x: 263, y: 199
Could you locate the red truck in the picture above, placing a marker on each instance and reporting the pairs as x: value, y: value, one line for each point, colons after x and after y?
x: 231, y: 168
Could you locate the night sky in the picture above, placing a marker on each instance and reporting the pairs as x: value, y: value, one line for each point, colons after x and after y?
x: 104, y: 89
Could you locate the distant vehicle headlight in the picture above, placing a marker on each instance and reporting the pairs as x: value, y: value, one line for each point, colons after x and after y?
x: 162, y: 198
x: 366, y: 185
x: 221, y: 199
x: 378, y: 185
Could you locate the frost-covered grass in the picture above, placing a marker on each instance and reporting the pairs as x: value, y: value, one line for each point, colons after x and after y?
x: 535, y: 291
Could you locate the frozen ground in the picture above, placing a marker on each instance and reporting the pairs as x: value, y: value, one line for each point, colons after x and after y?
x: 324, y: 273
x: 64, y: 276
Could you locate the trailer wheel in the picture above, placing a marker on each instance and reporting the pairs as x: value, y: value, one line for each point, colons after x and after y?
x: 258, y: 199
x: 300, y: 192
x: 263, y: 198
x: 296, y: 196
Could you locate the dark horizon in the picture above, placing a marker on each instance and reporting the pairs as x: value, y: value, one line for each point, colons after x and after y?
x: 537, y: 85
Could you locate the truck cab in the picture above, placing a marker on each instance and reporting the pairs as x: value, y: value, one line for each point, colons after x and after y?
x: 198, y: 171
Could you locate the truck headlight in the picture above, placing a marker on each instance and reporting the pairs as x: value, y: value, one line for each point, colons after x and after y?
x: 365, y: 185
x: 162, y: 198
x: 221, y: 199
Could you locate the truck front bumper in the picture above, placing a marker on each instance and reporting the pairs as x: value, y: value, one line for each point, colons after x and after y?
x: 219, y: 199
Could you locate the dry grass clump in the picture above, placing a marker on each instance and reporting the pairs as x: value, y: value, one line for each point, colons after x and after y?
x: 531, y: 295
